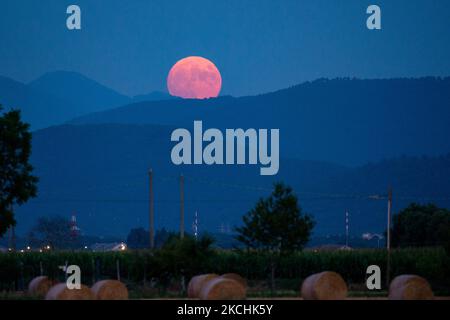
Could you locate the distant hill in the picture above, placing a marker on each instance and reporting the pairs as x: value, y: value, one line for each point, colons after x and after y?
x: 355, y: 129
x: 100, y: 171
x: 57, y: 97
x: 152, y: 96
x: 38, y: 108
x: 346, y: 121
x: 86, y: 94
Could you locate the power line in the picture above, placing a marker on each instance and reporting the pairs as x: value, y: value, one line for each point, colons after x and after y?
x: 321, y: 197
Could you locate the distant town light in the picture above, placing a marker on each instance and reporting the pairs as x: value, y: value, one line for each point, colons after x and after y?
x: 369, y: 236
x: 28, y: 247
x: 366, y: 236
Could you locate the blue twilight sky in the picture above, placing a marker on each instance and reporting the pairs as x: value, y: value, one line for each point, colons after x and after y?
x: 257, y: 45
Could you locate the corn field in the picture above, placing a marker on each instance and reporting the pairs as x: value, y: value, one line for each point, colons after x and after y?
x: 155, y: 268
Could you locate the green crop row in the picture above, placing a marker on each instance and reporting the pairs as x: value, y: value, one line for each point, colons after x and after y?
x: 137, y: 267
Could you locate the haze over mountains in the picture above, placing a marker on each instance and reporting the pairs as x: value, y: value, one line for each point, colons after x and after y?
x: 58, y: 96
x: 95, y: 160
x: 344, y: 120
x: 86, y: 94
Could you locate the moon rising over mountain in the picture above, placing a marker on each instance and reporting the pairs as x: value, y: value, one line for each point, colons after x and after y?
x: 194, y: 78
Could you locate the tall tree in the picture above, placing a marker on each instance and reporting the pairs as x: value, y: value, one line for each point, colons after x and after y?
x: 52, y: 231
x: 276, y: 225
x: 17, y: 184
x: 421, y: 225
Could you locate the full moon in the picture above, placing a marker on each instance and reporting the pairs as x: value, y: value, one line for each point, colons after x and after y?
x: 194, y: 78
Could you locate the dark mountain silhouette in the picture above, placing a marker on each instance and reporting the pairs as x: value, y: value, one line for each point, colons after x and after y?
x: 343, y: 120
x: 88, y: 95
x: 57, y: 97
x: 98, y: 166
x: 152, y: 96
x: 100, y: 172
x: 38, y: 108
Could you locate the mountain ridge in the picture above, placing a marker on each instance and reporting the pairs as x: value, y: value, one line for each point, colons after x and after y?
x: 89, y: 95
x: 324, y: 120
x: 58, y: 96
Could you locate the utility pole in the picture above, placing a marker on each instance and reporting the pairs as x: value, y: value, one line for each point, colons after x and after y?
x: 13, y: 233
x: 152, y: 213
x: 388, y: 242
x: 346, y: 229
x: 10, y: 244
x: 13, y: 238
x: 183, y: 279
x: 388, y: 237
x: 181, y: 206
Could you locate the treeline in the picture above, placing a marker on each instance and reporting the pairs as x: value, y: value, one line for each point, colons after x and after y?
x: 163, y: 268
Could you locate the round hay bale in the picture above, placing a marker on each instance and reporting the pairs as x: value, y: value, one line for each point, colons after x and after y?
x: 39, y: 286
x: 410, y: 287
x: 235, y: 277
x: 222, y: 289
x: 61, y: 292
x: 325, y: 285
x: 109, y: 290
x: 196, y: 284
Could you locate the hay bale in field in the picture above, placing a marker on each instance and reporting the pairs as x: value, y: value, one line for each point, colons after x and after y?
x: 39, y: 286
x: 325, y: 285
x: 410, y: 287
x: 61, y: 292
x: 235, y: 277
x: 196, y: 284
x: 110, y: 290
x: 222, y: 289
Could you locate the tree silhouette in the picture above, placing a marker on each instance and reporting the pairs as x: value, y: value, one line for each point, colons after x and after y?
x: 17, y: 184
x: 421, y: 225
x: 52, y: 231
x: 276, y: 225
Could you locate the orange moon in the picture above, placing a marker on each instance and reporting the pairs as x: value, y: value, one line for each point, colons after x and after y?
x: 194, y: 78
